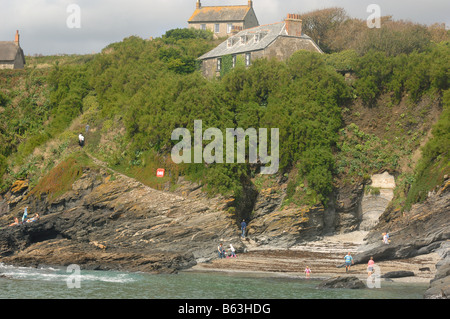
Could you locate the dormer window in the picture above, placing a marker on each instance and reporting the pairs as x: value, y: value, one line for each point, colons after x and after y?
x: 230, y: 42
x: 243, y: 39
x: 257, y: 37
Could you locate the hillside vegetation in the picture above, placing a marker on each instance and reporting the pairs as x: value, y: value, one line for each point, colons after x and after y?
x: 136, y: 92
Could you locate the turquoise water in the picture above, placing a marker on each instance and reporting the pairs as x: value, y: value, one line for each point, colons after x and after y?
x: 53, y: 283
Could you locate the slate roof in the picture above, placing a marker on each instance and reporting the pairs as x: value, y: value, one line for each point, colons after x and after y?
x: 265, y: 34
x: 9, y: 50
x: 220, y: 13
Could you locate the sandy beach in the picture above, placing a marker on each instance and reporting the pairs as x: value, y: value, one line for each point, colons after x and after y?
x: 323, y: 257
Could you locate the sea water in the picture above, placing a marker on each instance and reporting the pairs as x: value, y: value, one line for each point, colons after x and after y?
x: 56, y: 283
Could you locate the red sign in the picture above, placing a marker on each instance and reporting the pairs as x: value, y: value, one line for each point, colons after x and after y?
x: 160, y: 172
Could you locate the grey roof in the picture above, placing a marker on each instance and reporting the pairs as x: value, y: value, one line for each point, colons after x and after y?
x: 9, y: 50
x: 220, y: 13
x: 265, y: 35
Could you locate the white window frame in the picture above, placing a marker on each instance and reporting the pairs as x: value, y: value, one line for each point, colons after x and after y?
x: 234, y: 60
x: 219, y: 64
x: 248, y: 59
x: 217, y: 28
x: 229, y: 28
x: 203, y: 26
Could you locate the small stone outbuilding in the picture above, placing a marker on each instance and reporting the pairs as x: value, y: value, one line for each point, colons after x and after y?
x: 11, y: 54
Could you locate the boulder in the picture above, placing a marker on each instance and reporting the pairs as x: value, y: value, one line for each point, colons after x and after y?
x: 398, y: 274
x: 440, y: 285
x: 345, y: 282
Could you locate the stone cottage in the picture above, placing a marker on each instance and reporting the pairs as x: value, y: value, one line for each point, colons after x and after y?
x: 11, y: 54
x: 222, y: 20
x: 278, y: 40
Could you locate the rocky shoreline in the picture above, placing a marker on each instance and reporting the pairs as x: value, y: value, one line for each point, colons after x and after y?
x: 324, y: 257
x: 106, y: 223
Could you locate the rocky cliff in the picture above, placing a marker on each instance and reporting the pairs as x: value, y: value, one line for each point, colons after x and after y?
x: 107, y: 222
x: 110, y: 221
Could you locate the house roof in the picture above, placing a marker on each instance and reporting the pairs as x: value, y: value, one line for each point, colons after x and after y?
x: 9, y: 50
x: 220, y: 13
x: 256, y: 39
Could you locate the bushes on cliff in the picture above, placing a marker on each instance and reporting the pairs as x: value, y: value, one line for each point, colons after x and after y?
x: 435, y: 161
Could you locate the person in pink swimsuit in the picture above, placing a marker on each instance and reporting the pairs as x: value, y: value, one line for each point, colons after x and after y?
x: 370, y: 266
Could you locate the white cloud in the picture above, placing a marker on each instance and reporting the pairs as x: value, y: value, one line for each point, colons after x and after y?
x: 43, y: 28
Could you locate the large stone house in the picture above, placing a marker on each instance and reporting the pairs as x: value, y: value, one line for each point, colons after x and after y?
x: 222, y: 20
x: 278, y: 40
x: 11, y: 54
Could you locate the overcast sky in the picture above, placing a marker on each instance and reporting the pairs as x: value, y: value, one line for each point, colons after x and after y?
x: 43, y: 23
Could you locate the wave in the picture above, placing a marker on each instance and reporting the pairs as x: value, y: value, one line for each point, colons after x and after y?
x: 61, y: 274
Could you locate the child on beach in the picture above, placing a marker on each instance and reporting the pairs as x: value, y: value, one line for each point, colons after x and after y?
x: 370, y: 266
x: 307, y: 271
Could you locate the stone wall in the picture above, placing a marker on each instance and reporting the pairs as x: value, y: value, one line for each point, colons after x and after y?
x: 376, y: 199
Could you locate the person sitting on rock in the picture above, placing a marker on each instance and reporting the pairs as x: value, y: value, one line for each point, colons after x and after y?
x: 16, y: 222
x: 34, y: 219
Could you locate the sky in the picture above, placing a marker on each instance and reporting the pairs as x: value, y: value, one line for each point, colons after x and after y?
x: 44, y: 28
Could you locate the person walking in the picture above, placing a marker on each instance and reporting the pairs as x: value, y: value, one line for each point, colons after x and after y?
x: 81, y: 140
x: 233, y: 251
x: 348, y: 262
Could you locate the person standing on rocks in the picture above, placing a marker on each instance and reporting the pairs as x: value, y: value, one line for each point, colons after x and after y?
x: 221, y: 251
x: 307, y: 271
x: 243, y: 228
x: 348, y: 262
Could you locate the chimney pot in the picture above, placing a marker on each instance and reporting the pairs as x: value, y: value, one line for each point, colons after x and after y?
x: 294, y: 25
x: 16, y: 40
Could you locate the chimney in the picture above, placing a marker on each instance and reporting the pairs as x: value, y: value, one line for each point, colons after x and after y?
x: 294, y: 25
x: 250, y: 3
x: 16, y: 40
x: 199, y: 4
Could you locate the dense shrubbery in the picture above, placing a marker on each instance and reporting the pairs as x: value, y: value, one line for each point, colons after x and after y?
x: 151, y: 87
x: 435, y: 162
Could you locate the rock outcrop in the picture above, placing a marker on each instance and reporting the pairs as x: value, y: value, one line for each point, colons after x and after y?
x: 119, y: 223
x: 376, y: 199
x: 420, y: 231
x: 440, y: 285
x: 342, y: 282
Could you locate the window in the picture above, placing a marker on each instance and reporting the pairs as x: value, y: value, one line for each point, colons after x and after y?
x: 203, y: 27
x: 234, y: 61
x: 229, y: 27
x: 230, y: 42
x: 243, y: 39
x: 219, y: 64
x: 248, y: 59
x: 217, y: 28
x: 257, y: 36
